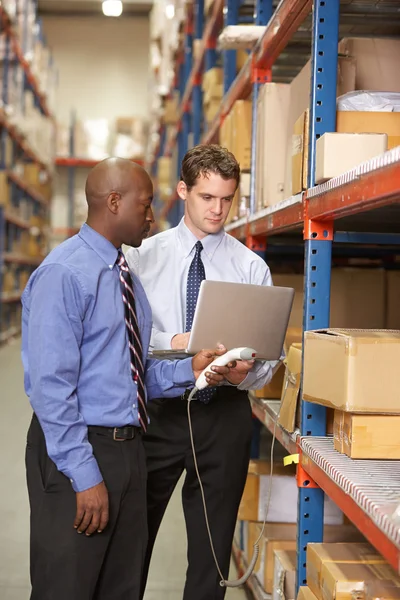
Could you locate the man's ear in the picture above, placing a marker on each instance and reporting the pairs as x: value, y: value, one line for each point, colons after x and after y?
x: 113, y: 201
x: 182, y: 190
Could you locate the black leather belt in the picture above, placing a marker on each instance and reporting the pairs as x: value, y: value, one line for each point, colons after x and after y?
x: 118, y: 434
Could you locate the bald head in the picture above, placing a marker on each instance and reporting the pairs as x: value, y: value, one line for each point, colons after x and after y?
x: 112, y: 175
x: 119, y: 194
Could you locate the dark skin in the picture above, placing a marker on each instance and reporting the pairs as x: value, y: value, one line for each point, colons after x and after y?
x: 119, y: 194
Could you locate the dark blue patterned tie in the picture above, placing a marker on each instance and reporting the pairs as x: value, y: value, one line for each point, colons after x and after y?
x: 195, y: 276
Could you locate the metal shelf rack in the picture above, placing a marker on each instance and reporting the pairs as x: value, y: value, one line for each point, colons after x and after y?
x: 364, y: 204
x: 26, y: 204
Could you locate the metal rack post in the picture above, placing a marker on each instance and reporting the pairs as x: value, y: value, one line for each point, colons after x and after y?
x: 231, y: 18
x: 71, y: 173
x: 317, y: 261
x: 197, y: 96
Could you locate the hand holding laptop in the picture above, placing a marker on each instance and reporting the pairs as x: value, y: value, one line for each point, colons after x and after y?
x: 180, y: 340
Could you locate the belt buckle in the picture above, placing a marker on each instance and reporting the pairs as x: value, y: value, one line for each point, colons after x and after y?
x: 115, y: 435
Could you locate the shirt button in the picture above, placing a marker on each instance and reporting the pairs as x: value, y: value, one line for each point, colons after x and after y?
x: 110, y: 266
x: 133, y: 405
x: 71, y: 480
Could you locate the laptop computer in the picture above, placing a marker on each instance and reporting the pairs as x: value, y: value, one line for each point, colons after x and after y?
x: 237, y: 315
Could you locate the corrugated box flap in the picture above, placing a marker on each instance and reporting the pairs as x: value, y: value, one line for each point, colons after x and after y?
x: 367, y: 335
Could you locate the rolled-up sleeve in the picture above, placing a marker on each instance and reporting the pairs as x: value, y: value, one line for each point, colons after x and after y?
x: 53, y: 337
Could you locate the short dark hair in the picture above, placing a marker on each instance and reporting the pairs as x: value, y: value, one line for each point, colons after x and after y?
x: 206, y: 159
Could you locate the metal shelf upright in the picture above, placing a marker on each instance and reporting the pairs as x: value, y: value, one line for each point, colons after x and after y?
x: 22, y: 206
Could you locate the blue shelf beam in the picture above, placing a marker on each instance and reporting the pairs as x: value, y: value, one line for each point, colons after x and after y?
x: 231, y: 18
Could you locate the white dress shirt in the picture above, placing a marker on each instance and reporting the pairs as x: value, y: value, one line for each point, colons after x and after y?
x: 162, y: 264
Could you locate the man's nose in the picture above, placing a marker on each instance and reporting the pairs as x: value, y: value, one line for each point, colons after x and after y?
x: 150, y: 216
x: 217, y: 209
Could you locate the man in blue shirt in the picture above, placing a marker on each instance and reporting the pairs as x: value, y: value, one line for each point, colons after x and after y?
x: 86, y: 328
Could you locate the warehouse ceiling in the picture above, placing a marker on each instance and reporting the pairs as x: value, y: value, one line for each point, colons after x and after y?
x: 90, y: 8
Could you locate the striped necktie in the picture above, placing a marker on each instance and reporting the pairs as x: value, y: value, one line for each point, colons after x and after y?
x: 196, y: 275
x: 135, y: 344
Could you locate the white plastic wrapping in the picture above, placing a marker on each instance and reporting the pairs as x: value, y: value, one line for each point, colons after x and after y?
x: 369, y: 101
x: 240, y: 37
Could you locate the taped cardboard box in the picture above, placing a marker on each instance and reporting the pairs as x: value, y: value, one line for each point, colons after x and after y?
x: 340, y: 367
x: 370, y: 122
x: 5, y: 197
x: 305, y: 594
x: 273, y: 389
x: 241, y: 133
x: 346, y: 581
x: 368, y: 436
x: 282, y: 536
x: 284, y: 585
x: 254, y: 500
x: 300, y: 102
x: 376, y: 62
x: 337, y: 153
x: 273, y: 109
x: 320, y: 554
x: 300, y: 153
x: 289, y: 413
x: 276, y: 537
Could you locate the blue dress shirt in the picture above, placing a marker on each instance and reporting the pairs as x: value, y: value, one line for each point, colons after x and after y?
x: 75, y: 352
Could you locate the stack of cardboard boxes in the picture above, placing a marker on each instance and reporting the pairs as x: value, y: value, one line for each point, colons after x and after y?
x: 276, y: 561
x: 235, y: 135
x: 348, y: 571
x: 283, y: 121
x: 355, y: 372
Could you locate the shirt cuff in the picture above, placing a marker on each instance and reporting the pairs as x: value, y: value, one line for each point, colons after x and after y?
x: 184, y: 375
x: 86, y: 476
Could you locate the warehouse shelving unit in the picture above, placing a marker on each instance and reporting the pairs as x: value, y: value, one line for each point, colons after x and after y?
x: 360, y: 207
x: 26, y: 203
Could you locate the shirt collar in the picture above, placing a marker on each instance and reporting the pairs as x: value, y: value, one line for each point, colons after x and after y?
x: 100, y: 245
x: 188, y: 240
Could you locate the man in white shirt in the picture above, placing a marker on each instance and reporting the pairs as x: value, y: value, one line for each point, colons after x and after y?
x: 170, y: 265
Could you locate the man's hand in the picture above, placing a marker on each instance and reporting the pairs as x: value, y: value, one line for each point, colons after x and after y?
x: 92, y: 509
x: 180, y: 341
x: 237, y: 375
x: 204, y: 358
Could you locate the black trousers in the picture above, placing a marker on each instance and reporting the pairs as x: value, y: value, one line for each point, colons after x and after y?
x: 66, y: 565
x: 222, y: 435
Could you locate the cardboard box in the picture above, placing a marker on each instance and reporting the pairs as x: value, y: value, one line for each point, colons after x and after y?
x: 300, y: 102
x: 376, y: 64
x: 212, y: 78
x: 337, y: 153
x: 284, y: 585
x: 346, y: 581
x: 341, y: 366
x: 370, y: 122
x: 275, y: 537
x: 274, y: 389
x: 320, y: 554
x: 368, y: 436
x: 295, y: 281
x: 300, y: 153
x: 256, y: 493
x: 338, y: 421
x: 273, y: 108
x: 291, y: 387
x: 350, y: 288
x: 5, y: 197
x: 305, y: 594
x: 381, y: 590
x: 392, y: 300
x: 241, y: 133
